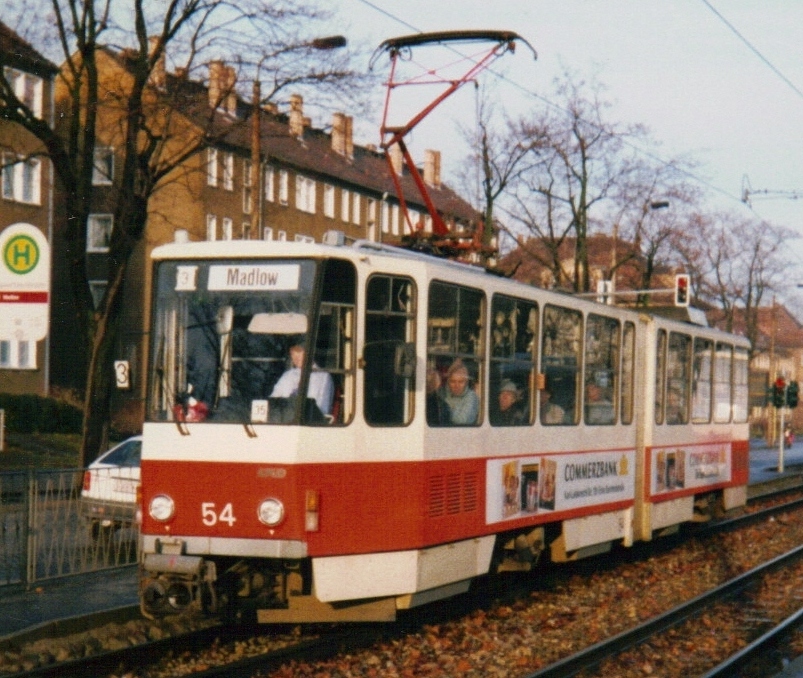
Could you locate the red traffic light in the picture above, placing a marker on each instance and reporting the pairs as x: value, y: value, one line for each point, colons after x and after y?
x: 682, y: 289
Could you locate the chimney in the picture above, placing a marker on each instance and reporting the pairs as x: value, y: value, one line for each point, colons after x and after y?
x: 157, y: 77
x: 432, y: 168
x: 296, y: 118
x: 230, y: 100
x: 339, y: 133
x: 216, y: 69
x: 349, y: 136
x: 221, y: 87
x: 396, y: 158
x: 342, y: 139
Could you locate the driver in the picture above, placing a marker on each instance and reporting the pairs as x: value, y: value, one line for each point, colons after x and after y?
x: 321, y: 387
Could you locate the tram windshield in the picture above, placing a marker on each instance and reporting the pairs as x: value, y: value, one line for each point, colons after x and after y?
x: 231, y: 343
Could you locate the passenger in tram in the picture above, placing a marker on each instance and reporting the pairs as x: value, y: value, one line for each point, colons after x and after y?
x: 463, y: 401
x: 320, y: 388
x: 551, y: 413
x: 437, y: 409
x: 508, y: 410
x: 599, y: 410
x: 675, y: 412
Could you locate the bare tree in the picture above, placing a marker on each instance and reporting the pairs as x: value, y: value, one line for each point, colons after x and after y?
x: 577, y: 161
x: 734, y: 261
x: 272, y: 42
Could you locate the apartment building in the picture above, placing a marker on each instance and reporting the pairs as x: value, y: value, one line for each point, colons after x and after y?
x: 26, y: 222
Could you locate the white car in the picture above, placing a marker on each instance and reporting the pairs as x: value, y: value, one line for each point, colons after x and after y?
x: 109, y: 492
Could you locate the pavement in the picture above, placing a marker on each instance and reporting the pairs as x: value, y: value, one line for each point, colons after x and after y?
x: 23, y: 610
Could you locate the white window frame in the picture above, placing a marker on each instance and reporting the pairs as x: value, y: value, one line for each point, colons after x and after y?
x: 228, y: 171
x: 305, y: 194
x: 385, y: 217
x: 228, y: 229
x: 345, y: 206
x: 248, y: 194
x: 211, y: 227
x: 284, y: 187
x: 329, y: 201
x: 22, y: 179
x: 103, y: 166
x: 17, y: 355
x: 99, y: 232
x: 356, y: 213
x: 211, y: 167
x: 28, y: 88
x: 270, y: 184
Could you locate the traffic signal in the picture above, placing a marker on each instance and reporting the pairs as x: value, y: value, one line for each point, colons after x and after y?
x: 791, y: 394
x: 779, y: 392
x: 682, y: 289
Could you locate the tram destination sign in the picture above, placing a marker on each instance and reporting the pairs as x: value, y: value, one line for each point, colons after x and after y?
x: 24, y: 283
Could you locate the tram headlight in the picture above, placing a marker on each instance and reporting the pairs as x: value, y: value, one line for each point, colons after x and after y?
x: 271, y: 512
x: 161, y: 508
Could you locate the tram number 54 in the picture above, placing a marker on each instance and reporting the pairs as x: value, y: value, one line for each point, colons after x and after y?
x: 211, y: 517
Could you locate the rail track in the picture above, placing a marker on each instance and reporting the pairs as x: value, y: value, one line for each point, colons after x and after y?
x: 238, y: 650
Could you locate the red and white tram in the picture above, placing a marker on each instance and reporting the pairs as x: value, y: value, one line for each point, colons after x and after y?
x: 396, y: 471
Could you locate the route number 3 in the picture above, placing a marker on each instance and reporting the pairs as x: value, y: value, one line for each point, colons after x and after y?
x: 212, y: 517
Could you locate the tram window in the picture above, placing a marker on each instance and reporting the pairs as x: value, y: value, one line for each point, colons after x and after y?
x: 514, y: 332
x: 723, y: 380
x: 701, y: 381
x: 389, y: 351
x: 740, y: 385
x: 455, y: 354
x: 560, y: 359
x: 334, y: 339
x: 628, y: 371
x: 601, y: 369
x: 660, y: 375
x: 678, y: 378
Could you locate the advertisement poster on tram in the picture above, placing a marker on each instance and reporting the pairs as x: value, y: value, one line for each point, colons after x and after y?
x: 518, y: 488
x: 679, y: 467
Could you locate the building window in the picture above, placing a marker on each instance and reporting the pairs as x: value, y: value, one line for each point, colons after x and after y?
x: 270, y: 187
x: 345, y: 211
x: 211, y: 167
x: 97, y: 288
x: 227, y: 228
x: 394, y: 219
x: 99, y: 232
x: 27, y: 88
x: 247, y: 184
x: 385, y: 217
x: 211, y: 227
x: 103, y: 166
x: 246, y: 230
x: 22, y: 179
x: 329, y: 201
x: 228, y: 171
x: 18, y: 355
x: 284, y: 190
x: 355, y: 209
x: 305, y: 194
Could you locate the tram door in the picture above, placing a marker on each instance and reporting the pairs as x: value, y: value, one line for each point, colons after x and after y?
x: 389, y: 354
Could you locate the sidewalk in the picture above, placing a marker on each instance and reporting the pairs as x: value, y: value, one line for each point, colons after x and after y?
x: 68, y: 597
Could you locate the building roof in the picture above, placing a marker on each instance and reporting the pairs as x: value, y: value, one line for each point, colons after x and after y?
x: 17, y: 53
x: 312, y: 152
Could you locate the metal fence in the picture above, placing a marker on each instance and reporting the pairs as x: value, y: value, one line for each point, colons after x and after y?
x: 47, y: 530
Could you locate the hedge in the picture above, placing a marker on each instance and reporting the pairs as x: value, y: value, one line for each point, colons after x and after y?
x: 35, y: 414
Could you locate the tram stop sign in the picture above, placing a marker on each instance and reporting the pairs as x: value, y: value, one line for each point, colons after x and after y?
x: 24, y: 283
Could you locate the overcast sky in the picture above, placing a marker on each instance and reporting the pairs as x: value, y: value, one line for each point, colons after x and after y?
x: 720, y: 80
